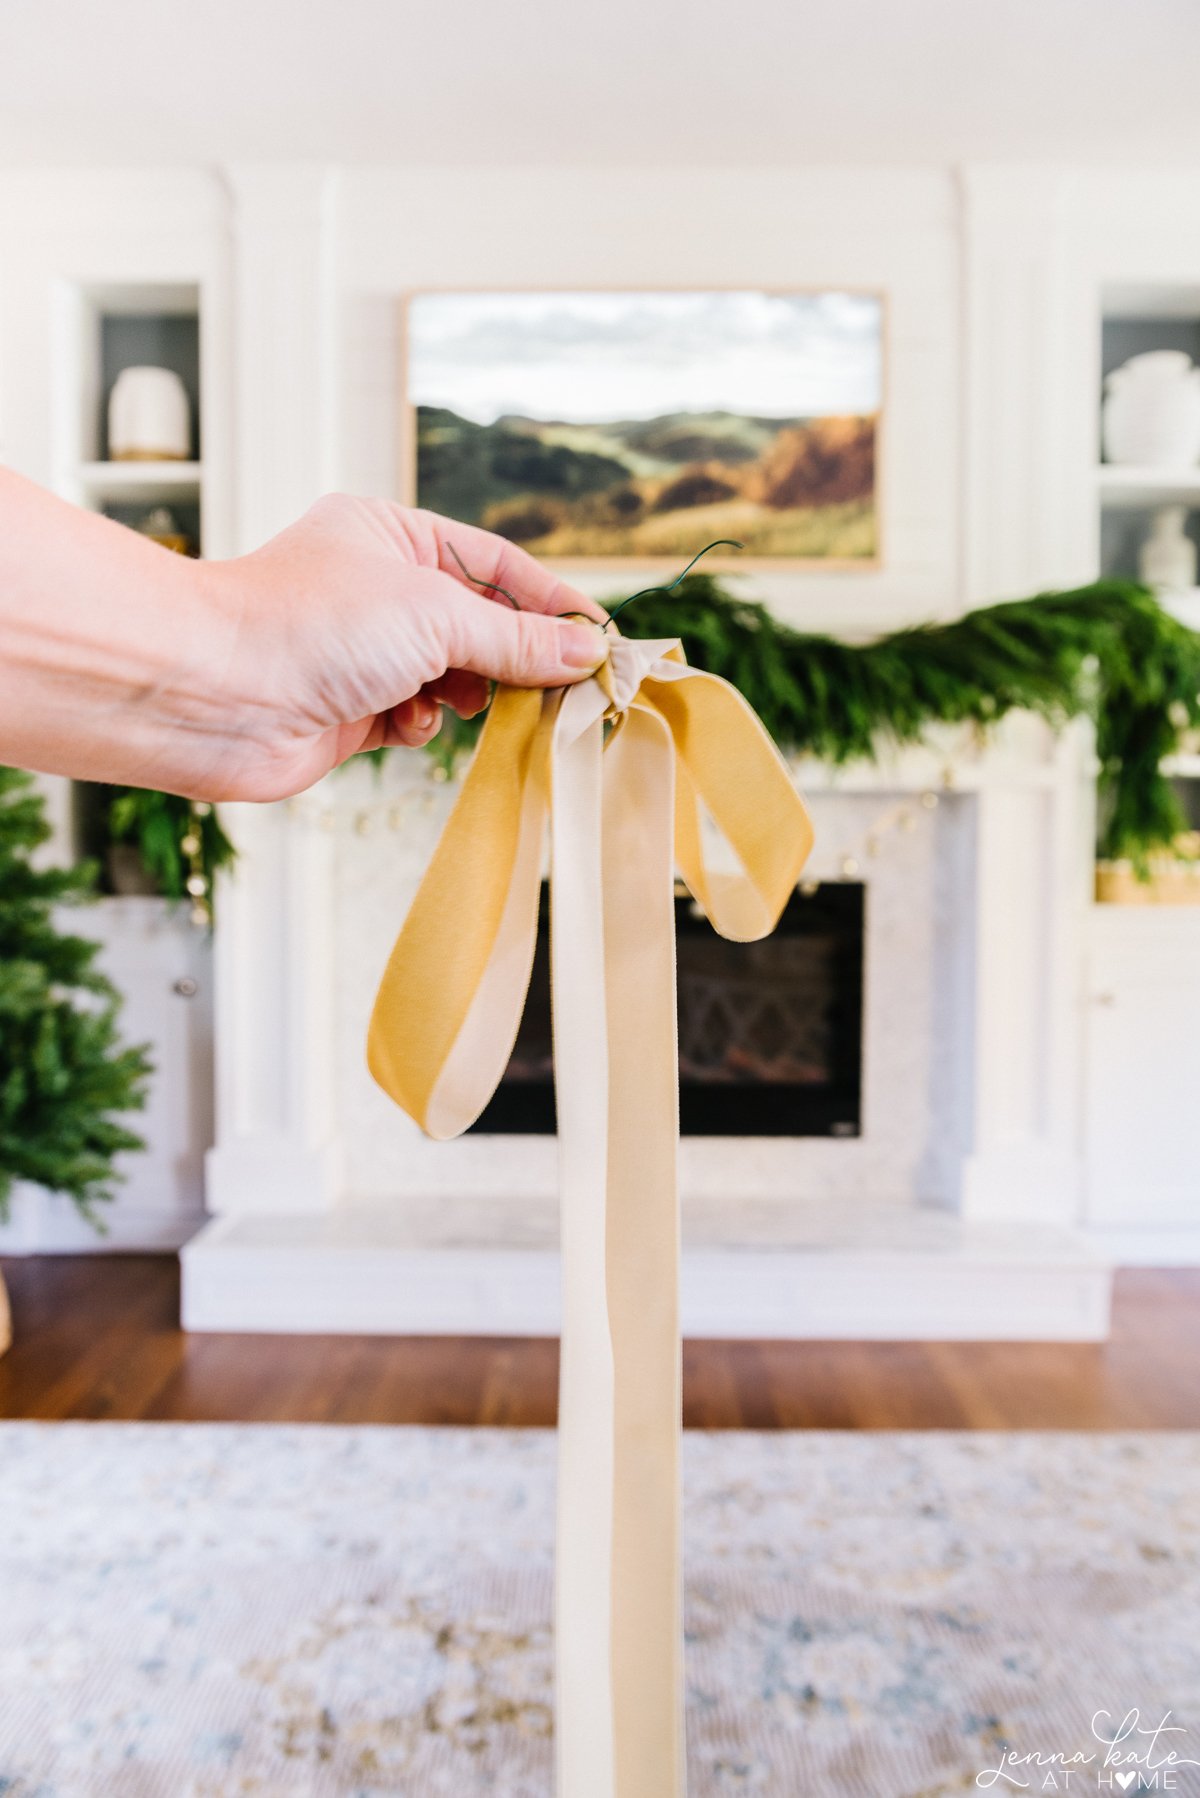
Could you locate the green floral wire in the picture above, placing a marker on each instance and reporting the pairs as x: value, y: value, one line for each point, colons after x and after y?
x: 495, y: 587
x: 718, y: 543
x: 478, y: 580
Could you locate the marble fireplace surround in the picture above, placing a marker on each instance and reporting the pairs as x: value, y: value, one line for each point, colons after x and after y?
x: 952, y: 1214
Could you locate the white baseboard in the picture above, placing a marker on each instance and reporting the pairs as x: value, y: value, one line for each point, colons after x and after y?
x: 338, y: 1275
x: 43, y: 1223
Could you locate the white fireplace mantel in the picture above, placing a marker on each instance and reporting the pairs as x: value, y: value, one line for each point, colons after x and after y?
x: 289, y: 1246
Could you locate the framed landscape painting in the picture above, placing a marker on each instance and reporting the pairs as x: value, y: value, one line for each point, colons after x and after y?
x: 640, y: 426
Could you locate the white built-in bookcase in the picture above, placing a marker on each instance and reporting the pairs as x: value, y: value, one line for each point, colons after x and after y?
x: 1135, y: 318
x: 101, y: 328
x: 1143, y: 1049
x: 100, y: 272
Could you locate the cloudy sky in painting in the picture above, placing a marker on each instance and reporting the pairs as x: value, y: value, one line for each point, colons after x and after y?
x: 599, y: 357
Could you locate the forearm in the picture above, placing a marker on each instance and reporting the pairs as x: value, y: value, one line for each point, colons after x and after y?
x: 113, y: 650
x: 250, y: 679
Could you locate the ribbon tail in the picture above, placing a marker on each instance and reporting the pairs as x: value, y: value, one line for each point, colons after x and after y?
x: 583, y: 1569
x: 619, y: 1606
x: 449, y: 1004
x: 728, y: 763
x: 643, y: 1257
x: 443, y: 1028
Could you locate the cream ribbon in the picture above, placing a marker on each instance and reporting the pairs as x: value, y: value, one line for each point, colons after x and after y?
x: 623, y: 813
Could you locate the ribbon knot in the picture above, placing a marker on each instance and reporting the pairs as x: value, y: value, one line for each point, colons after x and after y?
x: 620, y: 677
x: 623, y: 815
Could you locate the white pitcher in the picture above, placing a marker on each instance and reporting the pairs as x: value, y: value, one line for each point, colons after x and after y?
x: 1152, y: 411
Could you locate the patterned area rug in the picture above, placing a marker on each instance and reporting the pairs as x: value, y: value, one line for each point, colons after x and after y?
x: 199, y: 1611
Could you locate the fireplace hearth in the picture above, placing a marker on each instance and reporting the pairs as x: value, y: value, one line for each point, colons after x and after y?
x: 770, y: 1033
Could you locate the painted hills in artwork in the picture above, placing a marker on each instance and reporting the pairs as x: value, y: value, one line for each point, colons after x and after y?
x: 800, y: 488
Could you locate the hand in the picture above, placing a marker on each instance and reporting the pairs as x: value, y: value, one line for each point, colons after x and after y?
x: 250, y: 679
x: 357, y: 626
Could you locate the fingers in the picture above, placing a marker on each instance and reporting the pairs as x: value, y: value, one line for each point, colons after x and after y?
x: 413, y: 723
x: 494, y: 559
x: 468, y: 693
x: 521, y: 649
x: 419, y: 719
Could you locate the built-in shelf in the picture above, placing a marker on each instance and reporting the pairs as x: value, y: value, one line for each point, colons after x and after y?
x: 1131, y: 486
x: 140, y: 481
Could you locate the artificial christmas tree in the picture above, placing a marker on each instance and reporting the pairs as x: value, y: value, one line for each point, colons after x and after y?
x: 65, y: 1078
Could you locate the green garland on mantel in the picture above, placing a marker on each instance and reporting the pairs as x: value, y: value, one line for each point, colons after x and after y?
x: 1107, y: 651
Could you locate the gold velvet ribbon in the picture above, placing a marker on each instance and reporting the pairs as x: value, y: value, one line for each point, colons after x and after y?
x: 624, y: 812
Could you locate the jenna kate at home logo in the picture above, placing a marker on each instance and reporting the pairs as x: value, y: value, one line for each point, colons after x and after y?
x: 1131, y: 1755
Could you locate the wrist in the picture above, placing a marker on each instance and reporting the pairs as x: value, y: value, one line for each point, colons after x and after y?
x: 210, y: 710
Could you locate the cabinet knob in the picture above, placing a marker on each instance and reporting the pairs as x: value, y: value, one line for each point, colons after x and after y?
x: 186, y: 987
x: 1106, y: 999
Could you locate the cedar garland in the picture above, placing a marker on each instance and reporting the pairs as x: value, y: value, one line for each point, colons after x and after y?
x: 1107, y: 651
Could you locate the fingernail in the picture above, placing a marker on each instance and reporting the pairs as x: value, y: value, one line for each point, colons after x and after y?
x: 423, y: 714
x: 581, y: 645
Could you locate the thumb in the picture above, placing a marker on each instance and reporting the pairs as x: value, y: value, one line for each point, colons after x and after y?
x: 521, y: 649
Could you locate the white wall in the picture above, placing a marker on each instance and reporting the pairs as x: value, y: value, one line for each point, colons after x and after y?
x: 896, y: 231
x: 1039, y: 249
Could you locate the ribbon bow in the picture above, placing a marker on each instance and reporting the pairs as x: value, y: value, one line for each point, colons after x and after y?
x: 624, y: 811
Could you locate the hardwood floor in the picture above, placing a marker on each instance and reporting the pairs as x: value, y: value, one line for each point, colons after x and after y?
x: 97, y: 1337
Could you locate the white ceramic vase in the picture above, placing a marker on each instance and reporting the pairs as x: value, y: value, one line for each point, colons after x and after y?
x: 149, y: 418
x: 1167, y: 561
x: 1152, y: 411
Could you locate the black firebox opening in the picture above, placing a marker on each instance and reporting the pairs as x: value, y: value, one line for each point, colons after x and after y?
x: 770, y: 1033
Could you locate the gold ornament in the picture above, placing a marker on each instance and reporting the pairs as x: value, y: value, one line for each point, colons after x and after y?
x: 191, y: 844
